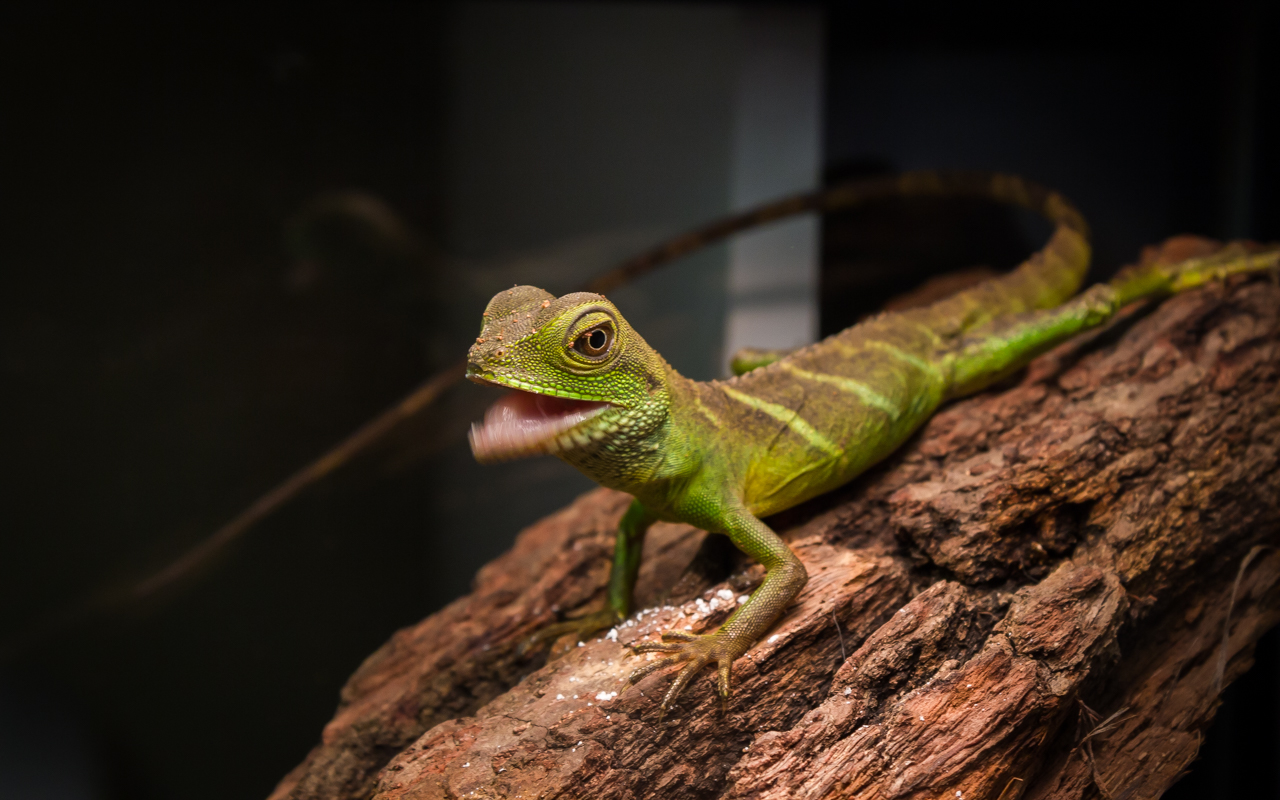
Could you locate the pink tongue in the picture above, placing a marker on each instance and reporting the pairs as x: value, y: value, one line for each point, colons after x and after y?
x: 521, y: 423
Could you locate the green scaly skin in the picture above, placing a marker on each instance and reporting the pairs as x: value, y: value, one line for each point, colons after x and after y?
x: 721, y: 455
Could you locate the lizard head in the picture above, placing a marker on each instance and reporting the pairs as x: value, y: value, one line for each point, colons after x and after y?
x: 579, y: 375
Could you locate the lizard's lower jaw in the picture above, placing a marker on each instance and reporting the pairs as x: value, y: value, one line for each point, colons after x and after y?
x: 525, y: 424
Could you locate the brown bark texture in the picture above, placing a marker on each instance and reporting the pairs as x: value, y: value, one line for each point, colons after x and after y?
x: 1041, y: 596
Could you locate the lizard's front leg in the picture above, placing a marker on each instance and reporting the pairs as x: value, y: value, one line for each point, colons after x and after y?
x: 627, y: 551
x: 785, y: 576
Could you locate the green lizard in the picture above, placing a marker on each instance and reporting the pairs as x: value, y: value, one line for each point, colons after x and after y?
x: 722, y: 455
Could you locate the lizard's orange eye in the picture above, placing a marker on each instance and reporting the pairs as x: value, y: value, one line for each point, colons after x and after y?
x: 595, y: 342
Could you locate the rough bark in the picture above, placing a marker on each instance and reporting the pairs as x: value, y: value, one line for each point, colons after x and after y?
x: 1041, y: 596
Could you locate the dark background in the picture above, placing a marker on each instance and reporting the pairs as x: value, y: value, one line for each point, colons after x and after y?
x: 190, y: 312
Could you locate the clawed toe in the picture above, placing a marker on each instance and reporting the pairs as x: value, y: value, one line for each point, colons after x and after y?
x: 672, y: 642
x: 656, y: 647
x: 640, y: 673
x: 677, y: 686
x: 680, y: 636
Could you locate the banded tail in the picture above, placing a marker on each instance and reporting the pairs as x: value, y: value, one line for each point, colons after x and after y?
x: 1046, y: 279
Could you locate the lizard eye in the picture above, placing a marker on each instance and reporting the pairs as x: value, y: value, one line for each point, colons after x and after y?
x: 595, y: 342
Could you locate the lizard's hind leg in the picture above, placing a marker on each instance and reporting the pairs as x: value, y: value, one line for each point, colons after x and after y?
x: 1148, y: 280
x: 1004, y: 345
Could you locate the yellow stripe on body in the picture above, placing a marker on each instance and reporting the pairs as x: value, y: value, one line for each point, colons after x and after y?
x: 864, y: 392
x: 706, y: 412
x: 924, y: 365
x: 933, y: 335
x: 791, y: 419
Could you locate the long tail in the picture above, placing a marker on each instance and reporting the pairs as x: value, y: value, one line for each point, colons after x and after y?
x: 1049, y: 277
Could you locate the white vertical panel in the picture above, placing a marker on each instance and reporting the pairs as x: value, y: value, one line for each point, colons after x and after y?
x: 777, y: 150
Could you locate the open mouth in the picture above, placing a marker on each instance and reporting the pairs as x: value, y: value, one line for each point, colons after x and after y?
x: 526, y: 424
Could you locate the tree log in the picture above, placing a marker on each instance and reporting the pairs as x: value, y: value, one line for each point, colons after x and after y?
x: 1041, y: 596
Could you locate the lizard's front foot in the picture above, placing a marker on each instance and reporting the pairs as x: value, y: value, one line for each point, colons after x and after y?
x: 697, y: 651
x: 582, y: 626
